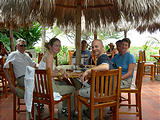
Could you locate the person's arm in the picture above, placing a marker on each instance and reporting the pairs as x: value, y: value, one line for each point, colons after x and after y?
x: 101, y: 67
x: 130, y: 70
x: 115, y: 51
x: 49, y: 64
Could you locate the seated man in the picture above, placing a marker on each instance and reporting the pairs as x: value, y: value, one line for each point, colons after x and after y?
x: 127, y: 61
x: 85, y: 54
x: 20, y: 60
x: 103, y: 63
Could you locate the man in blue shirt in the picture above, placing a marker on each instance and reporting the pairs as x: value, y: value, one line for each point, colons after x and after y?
x: 85, y: 54
x: 127, y: 61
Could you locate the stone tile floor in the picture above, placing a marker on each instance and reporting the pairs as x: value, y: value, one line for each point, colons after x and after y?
x: 150, y: 105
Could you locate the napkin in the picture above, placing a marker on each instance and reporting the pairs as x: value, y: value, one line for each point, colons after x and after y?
x: 29, y: 87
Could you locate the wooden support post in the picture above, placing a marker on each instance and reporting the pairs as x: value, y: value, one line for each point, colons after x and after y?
x: 125, y: 34
x: 95, y: 35
x: 43, y: 38
x: 78, y: 33
x: 11, y: 39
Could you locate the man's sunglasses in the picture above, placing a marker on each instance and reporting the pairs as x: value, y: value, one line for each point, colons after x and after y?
x: 22, y: 45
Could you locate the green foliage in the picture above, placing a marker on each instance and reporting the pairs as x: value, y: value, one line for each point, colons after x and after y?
x: 38, y: 49
x: 5, y: 39
x: 149, y: 51
x: 57, y: 31
x: 105, y: 35
x: 106, y: 47
x: 152, y: 41
x: 31, y: 35
x: 63, y: 58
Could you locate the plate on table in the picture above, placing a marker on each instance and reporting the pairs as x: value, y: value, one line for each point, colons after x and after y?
x: 77, y: 70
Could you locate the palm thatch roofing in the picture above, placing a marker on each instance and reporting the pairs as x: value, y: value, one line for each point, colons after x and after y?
x: 96, y: 13
x: 150, y: 28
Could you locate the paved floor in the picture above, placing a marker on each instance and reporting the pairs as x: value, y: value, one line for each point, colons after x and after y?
x: 150, y: 105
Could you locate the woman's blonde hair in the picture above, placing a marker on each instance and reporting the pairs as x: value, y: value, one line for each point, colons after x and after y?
x: 51, y: 42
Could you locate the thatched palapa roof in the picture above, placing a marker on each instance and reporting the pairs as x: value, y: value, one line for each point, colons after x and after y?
x: 96, y: 13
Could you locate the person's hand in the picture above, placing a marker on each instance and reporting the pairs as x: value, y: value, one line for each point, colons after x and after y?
x: 83, y: 77
x: 65, y: 75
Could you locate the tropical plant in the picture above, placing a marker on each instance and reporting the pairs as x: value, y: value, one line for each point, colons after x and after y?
x: 105, y: 35
x: 56, y: 31
x: 151, y: 42
x: 5, y: 39
x: 31, y: 35
x: 63, y: 56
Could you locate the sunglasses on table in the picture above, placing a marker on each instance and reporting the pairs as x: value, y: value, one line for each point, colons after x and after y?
x: 22, y: 45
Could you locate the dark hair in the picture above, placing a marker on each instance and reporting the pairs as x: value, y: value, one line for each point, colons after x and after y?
x: 126, y: 40
x: 51, y: 42
x: 118, y: 42
x: 1, y: 43
x: 84, y: 41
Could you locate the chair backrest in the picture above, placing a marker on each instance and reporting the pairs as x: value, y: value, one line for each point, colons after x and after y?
x: 2, y: 61
x: 12, y: 75
x: 70, y: 54
x: 40, y: 55
x: 139, y: 74
x: 105, y: 85
x: 142, y: 55
x: 43, y: 86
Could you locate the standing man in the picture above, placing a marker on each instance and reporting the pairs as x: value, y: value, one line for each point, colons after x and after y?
x: 20, y: 60
x: 85, y: 54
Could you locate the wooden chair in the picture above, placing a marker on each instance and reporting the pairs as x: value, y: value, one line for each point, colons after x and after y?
x: 43, y: 93
x: 40, y: 55
x: 94, y: 58
x: 151, y: 73
x: 158, y: 65
x: 135, y: 89
x: 18, y: 105
x: 3, y: 80
x: 104, y: 93
x: 70, y: 54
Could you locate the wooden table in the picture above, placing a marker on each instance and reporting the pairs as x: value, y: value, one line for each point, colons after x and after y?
x: 74, y: 71
x: 157, y: 57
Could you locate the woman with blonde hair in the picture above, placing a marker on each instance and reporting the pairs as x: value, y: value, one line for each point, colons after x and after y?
x: 52, y: 48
